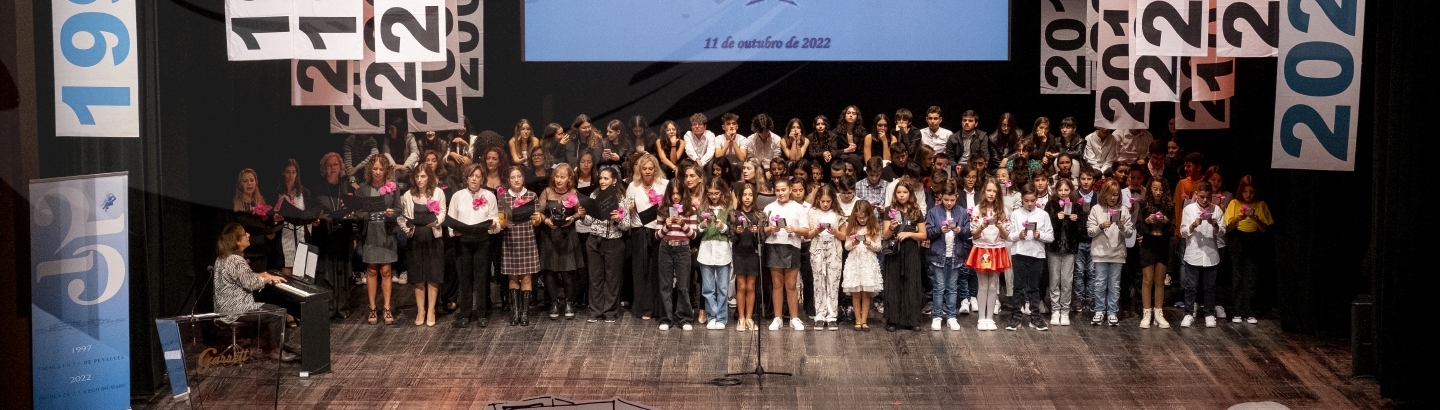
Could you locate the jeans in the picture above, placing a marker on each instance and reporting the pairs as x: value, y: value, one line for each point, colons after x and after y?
x: 1027, y: 284
x: 714, y: 287
x: 1106, y: 286
x: 945, y: 276
x: 1190, y: 277
x: 969, y: 282
x: 674, y: 282
x: 1084, y: 273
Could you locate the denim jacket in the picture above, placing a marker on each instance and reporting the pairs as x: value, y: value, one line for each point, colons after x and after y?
x: 933, y: 222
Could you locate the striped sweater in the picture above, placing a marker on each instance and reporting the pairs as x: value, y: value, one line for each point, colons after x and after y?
x: 683, y: 231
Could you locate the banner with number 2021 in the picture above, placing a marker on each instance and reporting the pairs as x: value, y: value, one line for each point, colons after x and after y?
x: 97, y: 76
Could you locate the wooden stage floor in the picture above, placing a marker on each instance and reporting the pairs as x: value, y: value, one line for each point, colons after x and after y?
x: 1083, y: 367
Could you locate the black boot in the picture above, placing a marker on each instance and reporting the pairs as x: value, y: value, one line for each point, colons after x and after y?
x: 569, y: 310
x: 554, y: 309
x: 525, y: 310
x: 515, y: 307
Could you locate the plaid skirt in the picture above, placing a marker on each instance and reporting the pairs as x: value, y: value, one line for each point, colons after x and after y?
x: 520, y: 254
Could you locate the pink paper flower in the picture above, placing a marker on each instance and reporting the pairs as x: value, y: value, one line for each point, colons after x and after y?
x: 1064, y: 202
x: 655, y: 197
x: 706, y: 215
x: 260, y: 210
x: 774, y: 218
x: 742, y: 218
x: 620, y: 212
x: 1082, y: 200
x: 1112, y: 211
x: 388, y: 188
x: 893, y: 214
x: 1244, y: 209
x: 1133, y: 200
x: 1204, y: 214
x: 1158, y: 215
x: 478, y: 202
x: 434, y: 206
x: 521, y: 201
x: 570, y: 200
x: 1006, y: 184
x: 677, y: 209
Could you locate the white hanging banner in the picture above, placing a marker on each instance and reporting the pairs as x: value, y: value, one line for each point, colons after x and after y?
x: 1153, y: 78
x: 1317, y: 84
x: 351, y: 119
x: 1114, y: 109
x: 409, y: 31
x: 1198, y: 115
x: 443, y: 111
x: 1064, y: 68
x: 1170, y: 28
x: 259, y: 29
x: 385, y: 85
x: 97, y: 76
x: 446, y: 71
x: 1214, y: 78
x: 1248, y: 28
x: 471, y: 25
x: 327, y: 29
x: 320, y: 82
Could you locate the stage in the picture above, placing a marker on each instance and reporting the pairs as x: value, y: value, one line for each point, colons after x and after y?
x: 1080, y: 366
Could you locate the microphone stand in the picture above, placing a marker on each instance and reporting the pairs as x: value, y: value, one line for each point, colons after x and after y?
x: 759, y: 370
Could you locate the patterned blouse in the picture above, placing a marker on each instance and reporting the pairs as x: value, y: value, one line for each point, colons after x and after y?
x: 234, y: 286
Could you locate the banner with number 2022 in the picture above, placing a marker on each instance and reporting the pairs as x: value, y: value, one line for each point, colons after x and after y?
x: 79, y: 289
x: 97, y: 78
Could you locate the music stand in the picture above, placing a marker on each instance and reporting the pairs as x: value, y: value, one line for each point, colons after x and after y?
x: 759, y: 370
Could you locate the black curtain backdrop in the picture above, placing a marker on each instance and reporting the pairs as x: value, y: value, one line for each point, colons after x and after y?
x: 206, y: 118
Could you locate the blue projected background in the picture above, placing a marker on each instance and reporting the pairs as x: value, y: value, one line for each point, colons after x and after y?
x: 766, y: 30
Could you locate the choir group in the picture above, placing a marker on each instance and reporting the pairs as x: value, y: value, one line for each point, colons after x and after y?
x: 678, y: 227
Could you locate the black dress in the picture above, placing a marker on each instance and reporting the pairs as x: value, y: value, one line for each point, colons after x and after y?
x: 904, y: 298
x: 744, y: 259
x: 559, y: 247
x: 427, y: 253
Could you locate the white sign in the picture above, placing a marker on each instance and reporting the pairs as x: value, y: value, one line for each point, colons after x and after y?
x: 1213, y: 77
x: 1153, y: 78
x: 1317, y: 84
x: 409, y: 31
x: 1248, y: 28
x: 443, y: 111
x: 1191, y: 114
x: 446, y: 71
x: 327, y: 29
x: 1064, y: 68
x: 351, y: 119
x: 320, y: 82
x: 97, y: 77
x: 471, y: 26
x: 1170, y: 28
x: 284, y: 29
x: 386, y: 85
x: 1114, y: 109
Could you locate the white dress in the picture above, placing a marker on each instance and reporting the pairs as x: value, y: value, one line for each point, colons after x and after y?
x: 862, y: 268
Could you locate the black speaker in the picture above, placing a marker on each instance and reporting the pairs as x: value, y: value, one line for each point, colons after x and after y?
x: 1362, y: 336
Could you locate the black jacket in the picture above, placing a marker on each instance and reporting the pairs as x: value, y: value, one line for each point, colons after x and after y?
x: 1067, y: 233
x: 980, y: 145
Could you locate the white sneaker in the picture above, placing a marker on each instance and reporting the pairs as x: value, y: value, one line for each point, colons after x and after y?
x: 664, y: 326
x: 1220, y: 311
x: 732, y: 302
x: 1099, y: 317
x: 953, y: 323
x: 687, y: 327
x: 1025, y: 309
x: 1114, y: 320
x: 997, y: 306
x: 775, y: 324
x: 1167, y: 280
x: 1209, y: 321
x: 1185, y: 322
x: 935, y: 324
x: 974, y: 305
x: 797, y: 324
x: 980, y: 324
x: 964, y: 307
x: 1055, y: 317
x: 1236, y: 319
x: 1252, y: 320
x: 402, y: 278
x: 1064, y: 320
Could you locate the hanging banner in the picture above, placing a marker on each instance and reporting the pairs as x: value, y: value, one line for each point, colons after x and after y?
x: 386, y: 85
x: 446, y: 71
x: 443, y: 111
x: 258, y: 30
x: 1317, y: 85
x: 1248, y: 28
x: 1170, y: 28
x: 351, y: 119
x: 409, y: 31
x: 327, y: 29
x: 1212, y: 76
x: 97, y: 77
x: 1064, y: 69
x: 1092, y: 53
x: 320, y: 82
x: 80, y: 299
x: 471, y: 26
x: 1114, y: 109
x: 1191, y: 114
x: 1153, y: 78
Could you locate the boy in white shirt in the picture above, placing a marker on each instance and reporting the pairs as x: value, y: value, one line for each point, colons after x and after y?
x: 1201, y: 227
x: 1030, y: 230
x: 698, y: 141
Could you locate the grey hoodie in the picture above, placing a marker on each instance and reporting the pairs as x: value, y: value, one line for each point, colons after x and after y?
x: 1107, y: 244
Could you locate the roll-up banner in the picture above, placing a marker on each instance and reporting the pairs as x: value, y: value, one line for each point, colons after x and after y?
x: 1317, y: 84
x: 80, y: 299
